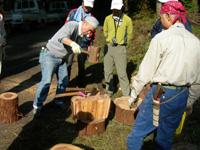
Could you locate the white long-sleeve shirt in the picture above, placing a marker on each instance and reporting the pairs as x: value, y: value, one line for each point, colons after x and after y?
x: 173, y: 58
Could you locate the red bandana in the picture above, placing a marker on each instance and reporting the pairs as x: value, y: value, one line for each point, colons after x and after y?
x: 172, y: 7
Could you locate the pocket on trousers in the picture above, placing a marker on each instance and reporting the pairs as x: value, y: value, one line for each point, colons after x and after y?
x: 41, y: 57
x: 123, y: 50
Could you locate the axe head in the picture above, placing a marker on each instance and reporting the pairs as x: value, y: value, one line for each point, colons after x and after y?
x: 94, y: 91
x: 101, y: 89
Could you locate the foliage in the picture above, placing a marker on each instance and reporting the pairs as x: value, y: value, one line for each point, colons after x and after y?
x: 190, y: 5
x: 136, y: 6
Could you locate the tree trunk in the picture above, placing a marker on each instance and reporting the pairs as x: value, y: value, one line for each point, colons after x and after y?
x: 9, y: 107
x: 158, y: 7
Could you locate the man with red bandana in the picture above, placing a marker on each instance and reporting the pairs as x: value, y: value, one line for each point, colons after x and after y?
x: 173, y: 59
x: 157, y: 28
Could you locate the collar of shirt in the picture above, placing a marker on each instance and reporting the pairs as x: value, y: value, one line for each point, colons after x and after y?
x: 79, y: 29
x: 118, y: 19
x: 179, y: 25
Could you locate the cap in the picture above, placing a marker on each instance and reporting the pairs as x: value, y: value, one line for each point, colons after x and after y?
x: 116, y: 4
x: 1, y: 17
x: 164, y: 1
x: 92, y: 21
x: 89, y: 3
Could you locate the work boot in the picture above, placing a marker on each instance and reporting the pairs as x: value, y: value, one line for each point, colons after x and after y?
x: 36, y: 112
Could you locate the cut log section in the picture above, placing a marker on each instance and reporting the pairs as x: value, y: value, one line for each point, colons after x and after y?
x: 9, y: 107
x: 91, y: 108
x: 123, y: 113
x: 65, y: 147
x: 91, y: 127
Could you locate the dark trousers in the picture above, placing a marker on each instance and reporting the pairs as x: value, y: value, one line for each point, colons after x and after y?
x: 81, y: 58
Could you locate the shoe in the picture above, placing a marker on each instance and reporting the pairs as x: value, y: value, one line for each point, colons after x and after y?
x: 36, y: 112
x: 62, y: 106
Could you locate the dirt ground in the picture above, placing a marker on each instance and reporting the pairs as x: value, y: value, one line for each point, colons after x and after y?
x: 16, y: 136
x: 27, y: 132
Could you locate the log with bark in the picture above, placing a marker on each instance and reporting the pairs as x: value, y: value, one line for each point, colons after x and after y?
x: 9, y: 107
x: 123, y: 113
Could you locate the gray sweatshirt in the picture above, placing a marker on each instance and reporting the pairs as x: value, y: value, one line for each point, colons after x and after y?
x: 55, y: 45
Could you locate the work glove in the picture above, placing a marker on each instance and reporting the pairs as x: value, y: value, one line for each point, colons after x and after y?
x: 131, y: 101
x: 75, y: 48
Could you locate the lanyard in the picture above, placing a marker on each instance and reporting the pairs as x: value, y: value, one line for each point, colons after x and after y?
x: 116, y: 27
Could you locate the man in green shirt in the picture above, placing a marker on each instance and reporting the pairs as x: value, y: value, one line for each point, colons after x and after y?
x: 117, y: 30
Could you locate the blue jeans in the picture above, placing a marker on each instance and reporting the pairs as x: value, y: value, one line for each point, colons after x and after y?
x: 169, y: 119
x: 50, y: 65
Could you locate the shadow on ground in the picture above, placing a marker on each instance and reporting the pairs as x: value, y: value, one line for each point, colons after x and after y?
x: 50, y: 129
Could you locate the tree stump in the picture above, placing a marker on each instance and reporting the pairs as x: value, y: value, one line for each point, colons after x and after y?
x: 91, y: 127
x: 65, y: 147
x: 9, y: 107
x: 123, y: 113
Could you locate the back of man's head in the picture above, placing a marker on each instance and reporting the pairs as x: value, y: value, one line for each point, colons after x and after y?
x: 174, y: 8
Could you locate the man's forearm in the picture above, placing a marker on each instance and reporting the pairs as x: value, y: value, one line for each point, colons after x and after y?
x: 67, y: 41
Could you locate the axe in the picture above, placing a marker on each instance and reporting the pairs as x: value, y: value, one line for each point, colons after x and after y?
x: 82, y: 91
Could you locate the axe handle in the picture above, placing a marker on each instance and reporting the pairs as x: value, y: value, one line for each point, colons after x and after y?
x: 85, y: 52
x: 79, y: 89
x: 157, y: 90
x: 67, y: 94
x: 161, y: 92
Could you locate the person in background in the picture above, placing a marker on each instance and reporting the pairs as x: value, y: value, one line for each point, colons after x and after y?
x: 79, y: 14
x: 53, y: 59
x: 117, y: 30
x: 157, y: 28
x: 2, y: 39
x: 173, y: 59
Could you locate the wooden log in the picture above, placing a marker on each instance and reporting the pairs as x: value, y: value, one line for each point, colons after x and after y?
x: 94, y: 54
x: 123, y: 113
x: 91, y: 107
x: 91, y: 127
x: 9, y: 107
x: 65, y: 147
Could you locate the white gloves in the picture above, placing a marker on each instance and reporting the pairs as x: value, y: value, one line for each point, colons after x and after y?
x: 131, y: 102
x: 75, y: 48
x: 132, y: 99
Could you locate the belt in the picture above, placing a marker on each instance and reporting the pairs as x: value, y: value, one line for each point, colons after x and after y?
x: 174, y: 87
x: 114, y: 45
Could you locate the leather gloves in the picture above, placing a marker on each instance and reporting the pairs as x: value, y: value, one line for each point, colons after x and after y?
x: 75, y: 48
